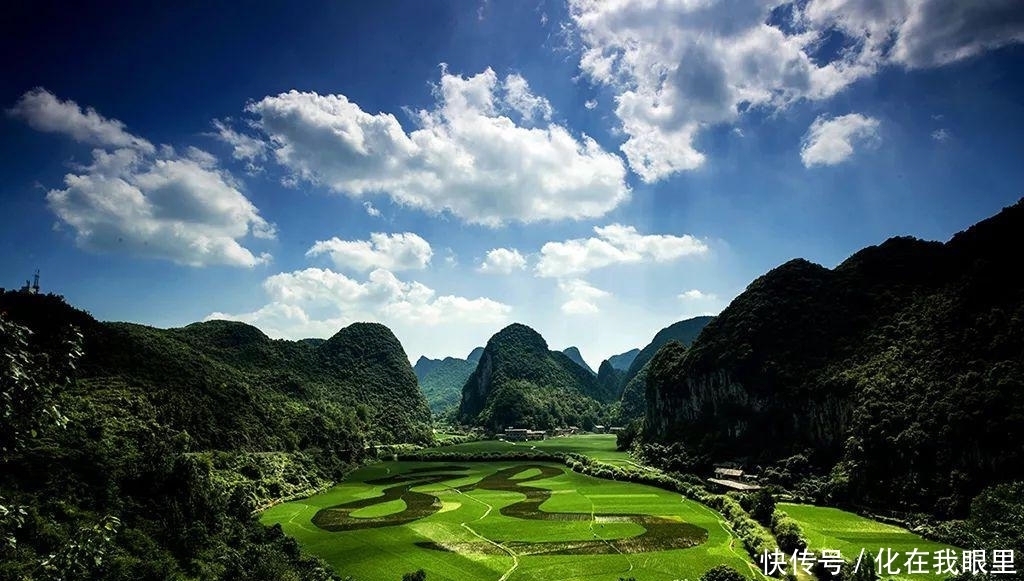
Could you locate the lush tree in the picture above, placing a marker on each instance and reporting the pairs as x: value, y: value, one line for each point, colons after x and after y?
x: 30, y: 383
x: 762, y: 506
x: 722, y: 573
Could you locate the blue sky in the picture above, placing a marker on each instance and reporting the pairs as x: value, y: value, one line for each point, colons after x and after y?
x: 597, y: 170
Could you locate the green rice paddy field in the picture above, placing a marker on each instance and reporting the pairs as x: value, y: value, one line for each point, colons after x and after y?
x: 522, y: 520
x: 505, y: 520
x: 831, y: 528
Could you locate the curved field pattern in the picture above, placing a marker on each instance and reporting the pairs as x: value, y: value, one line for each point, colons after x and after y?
x: 508, y: 520
x: 660, y: 533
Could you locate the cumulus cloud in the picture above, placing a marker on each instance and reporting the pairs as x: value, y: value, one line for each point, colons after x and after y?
x: 941, y: 135
x: 472, y: 155
x: 581, y: 297
x: 614, y: 244
x: 923, y: 33
x: 143, y: 200
x: 403, y: 251
x: 696, y: 295
x: 175, y: 208
x: 519, y: 97
x: 678, y: 67
x: 243, y: 147
x: 43, y: 111
x: 502, y: 261
x: 831, y: 141
x: 317, y: 302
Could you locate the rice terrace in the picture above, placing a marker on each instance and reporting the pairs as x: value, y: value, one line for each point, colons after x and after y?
x: 506, y: 520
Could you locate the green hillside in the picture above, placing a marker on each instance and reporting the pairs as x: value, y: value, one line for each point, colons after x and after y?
x: 633, y: 386
x: 519, y: 381
x: 896, y: 378
x: 442, y: 385
x: 173, y: 437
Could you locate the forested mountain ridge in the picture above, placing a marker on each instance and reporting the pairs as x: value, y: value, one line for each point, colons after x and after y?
x: 442, y: 385
x: 899, y: 374
x: 173, y: 437
x: 633, y: 381
x: 520, y: 382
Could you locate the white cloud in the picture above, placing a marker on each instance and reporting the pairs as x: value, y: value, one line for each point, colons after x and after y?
x: 502, y: 261
x: 174, y: 208
x: 317, y: 302
x: 923, y: 33
x: 243, y: 147
x: 581, y: 297
x: 696, y: 295
x: 467, y: 157
x: 680, y: 66
x: 370, y: 210
x: 404, y: 251
x: 143, y: 200
x: 590, y: 104
x: 941, y: 135
x: 831, y: 141
x: 519, y: 97
x: 43, y: 111
x: 614, y: 244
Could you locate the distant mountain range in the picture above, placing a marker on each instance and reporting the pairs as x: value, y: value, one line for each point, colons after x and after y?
x: 441, y: 380
x: 622, y: 361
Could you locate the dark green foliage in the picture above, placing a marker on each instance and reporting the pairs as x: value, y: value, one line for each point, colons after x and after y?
x: 787, y: 532
x: 634, y: 382
x: 573, y: 353
x: 625, y: 439
x: 685, y: 332
x: 442, y: 384
x: 419, y: 575
x: 609, y: 383
x: 174, y: 437
x: 762, y: 506
x: 29, y: 383
x: 634, y: 398
x: 519, y: 382
x: 897, y: 376
x: 722, y: 573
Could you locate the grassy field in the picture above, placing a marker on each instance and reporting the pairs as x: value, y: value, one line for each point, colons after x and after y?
x: 506, y: 520
x: 597, y: 446
x: 831, y: 528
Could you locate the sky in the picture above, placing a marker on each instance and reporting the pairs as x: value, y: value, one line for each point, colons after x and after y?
x: 596, y: 169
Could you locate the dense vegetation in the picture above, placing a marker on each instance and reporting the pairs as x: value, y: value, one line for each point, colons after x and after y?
x: 893, y: 381
x: 520, y: 382
x: 150, y: 465
x: 442, y: 383
x: 633, y: 383
x: 609, y: 382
